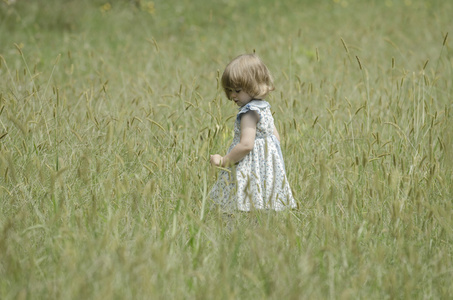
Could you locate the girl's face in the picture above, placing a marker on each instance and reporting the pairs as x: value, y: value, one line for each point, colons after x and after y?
x: 240, y: 97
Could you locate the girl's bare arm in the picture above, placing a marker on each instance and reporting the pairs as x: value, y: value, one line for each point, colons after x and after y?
x: 246, y: 144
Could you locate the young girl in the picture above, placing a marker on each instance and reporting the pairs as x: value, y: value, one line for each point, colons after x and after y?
x: 254, y: 176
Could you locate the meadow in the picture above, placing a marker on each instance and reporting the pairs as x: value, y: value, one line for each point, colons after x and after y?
x: 109, y: 111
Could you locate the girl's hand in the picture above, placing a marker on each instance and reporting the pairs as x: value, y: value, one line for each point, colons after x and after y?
x: 216, y: 160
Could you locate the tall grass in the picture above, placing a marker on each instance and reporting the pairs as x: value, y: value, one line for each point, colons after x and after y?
x: 108, y: 116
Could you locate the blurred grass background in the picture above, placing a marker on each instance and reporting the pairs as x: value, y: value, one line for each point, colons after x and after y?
x: 109, y: 110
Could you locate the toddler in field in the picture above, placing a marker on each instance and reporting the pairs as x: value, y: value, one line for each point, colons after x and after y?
x: 254, y: 174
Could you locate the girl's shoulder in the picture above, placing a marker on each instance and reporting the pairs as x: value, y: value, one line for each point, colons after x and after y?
x: 254, y: 105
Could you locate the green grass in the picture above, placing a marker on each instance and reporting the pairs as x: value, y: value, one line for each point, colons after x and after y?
x: 108, y: 114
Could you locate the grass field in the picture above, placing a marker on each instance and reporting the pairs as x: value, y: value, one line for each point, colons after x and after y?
x: 109, y: 111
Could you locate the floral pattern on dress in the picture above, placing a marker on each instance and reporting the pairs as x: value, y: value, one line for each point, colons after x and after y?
x: 258, y: 181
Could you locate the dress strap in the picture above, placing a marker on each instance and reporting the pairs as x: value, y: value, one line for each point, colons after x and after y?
x: 254, y: 105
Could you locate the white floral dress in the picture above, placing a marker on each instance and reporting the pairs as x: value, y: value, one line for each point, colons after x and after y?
x: 258, y: 181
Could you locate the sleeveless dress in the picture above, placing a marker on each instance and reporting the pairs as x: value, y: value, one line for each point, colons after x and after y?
x: 258, y: 181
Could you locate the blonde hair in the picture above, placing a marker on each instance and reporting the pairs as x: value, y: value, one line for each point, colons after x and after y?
x: 249, y: 73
